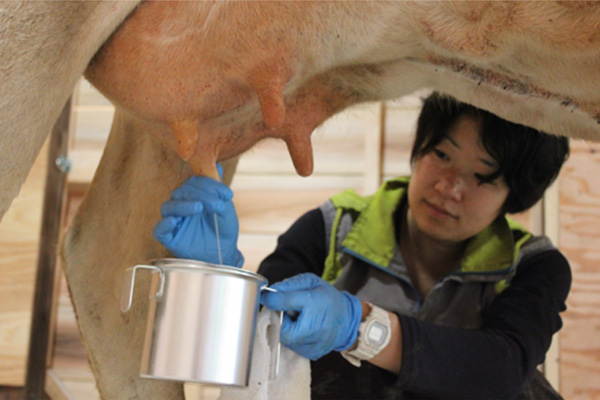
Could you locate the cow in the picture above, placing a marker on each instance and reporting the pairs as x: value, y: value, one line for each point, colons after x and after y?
x: 198, y: 82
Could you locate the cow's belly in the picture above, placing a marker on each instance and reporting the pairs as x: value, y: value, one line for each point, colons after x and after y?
x: 220, y: 76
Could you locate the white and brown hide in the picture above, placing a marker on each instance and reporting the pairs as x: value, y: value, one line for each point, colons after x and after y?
x: 204, y: 81
x: 44, y: 48
x: 225, y: 75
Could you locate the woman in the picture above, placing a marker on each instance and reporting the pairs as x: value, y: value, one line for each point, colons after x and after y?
x: 427, y: 280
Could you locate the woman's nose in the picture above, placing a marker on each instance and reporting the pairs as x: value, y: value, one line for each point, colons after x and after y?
x: 450, y: 186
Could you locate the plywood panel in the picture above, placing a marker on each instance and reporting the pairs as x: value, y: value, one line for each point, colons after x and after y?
x: 274, y: 211
x: 580, y: 241
x: 19, y: 236
x: 400, y: 126
x: 338, y: 147
x: 95, y: 121
x: 264, y: 215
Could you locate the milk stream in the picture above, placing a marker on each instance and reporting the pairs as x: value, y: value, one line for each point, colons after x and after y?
x: 218, y: 240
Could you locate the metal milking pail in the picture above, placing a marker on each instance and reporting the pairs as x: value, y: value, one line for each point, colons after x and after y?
x: 201, y: 322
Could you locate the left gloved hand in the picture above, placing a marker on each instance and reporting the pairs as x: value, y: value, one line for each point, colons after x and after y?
x: 328, y: 319
x: 188, y: 227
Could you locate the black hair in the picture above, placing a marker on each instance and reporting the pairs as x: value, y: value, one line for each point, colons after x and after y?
x: 528, y: 159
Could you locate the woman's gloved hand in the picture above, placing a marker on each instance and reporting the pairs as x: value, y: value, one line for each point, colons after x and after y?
x: 188, y: 229
x: 325, y: 319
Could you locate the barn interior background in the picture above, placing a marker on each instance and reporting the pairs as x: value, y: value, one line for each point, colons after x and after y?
x: 357, y: 149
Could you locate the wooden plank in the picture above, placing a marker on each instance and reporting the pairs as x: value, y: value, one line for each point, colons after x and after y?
x: 93, y: 124
x: 43, y: 300
x: 374, y: 137
x: 272, y: 212
x: 11, y: 393
x: 337, y: 141
x: 87, y: 95
x: 56, y: 389
x: 255, y: 247
x: 400, y: 126
x: 91, y: 118
x: 14, y: 332
x: 551, y: 207
x: 243, y: 181
x: 19, y: 236
x: 580, y: 242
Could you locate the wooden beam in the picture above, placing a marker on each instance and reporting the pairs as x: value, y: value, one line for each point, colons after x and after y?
x: 374, y: 141
x: 44, y: 283
x: 55, y: 388
x: 551, y: 230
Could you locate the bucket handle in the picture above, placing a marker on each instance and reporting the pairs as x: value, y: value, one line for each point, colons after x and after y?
x: 127, y: 292
x: 273, y: 332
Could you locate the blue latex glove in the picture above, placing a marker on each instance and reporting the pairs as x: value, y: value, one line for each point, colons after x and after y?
x: 325, y: 318
x: 188, y: 228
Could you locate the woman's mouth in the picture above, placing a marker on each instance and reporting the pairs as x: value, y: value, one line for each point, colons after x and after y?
x: 438, y: 211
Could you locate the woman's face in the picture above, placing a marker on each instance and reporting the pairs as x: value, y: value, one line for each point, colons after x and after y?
x: 446, y: 199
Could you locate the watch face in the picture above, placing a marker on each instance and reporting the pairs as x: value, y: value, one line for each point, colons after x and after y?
x: 377, y: 334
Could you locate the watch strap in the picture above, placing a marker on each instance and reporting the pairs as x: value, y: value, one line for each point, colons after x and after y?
x: 377, y: 324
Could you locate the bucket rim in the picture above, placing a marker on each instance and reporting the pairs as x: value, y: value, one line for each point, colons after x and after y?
x: 196, y: 265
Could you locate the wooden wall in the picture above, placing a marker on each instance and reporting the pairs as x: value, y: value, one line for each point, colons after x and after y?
x: 580, y: 241
x: 19, y: 233
x: 355, y: 150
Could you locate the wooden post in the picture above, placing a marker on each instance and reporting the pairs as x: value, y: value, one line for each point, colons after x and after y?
x: 552, y: 231
x: 374, y: 153
x: 47, y: 257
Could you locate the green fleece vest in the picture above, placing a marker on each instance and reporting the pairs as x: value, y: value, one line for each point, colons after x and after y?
x: 372, y: 235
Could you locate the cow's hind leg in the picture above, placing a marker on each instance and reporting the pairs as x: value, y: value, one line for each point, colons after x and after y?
x: 111, y: 232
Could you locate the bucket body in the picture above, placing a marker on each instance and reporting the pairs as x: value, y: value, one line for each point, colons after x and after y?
x: 201, y: 322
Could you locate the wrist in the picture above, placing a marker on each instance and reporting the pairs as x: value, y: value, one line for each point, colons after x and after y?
x: 351, y: 332
x: 374, y: 334
x: 366, y: 310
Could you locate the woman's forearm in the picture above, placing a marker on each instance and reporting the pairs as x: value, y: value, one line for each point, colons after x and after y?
x: 390, y: 357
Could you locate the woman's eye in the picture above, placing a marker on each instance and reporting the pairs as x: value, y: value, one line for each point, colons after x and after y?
x: 484, y: 180
x: 441, y: 155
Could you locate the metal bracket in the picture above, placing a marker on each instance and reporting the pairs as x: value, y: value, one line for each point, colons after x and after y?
x: 63, y: 164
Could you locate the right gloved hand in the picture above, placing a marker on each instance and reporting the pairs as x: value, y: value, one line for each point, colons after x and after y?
x: 325, y: 318
x: 188, y: 228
